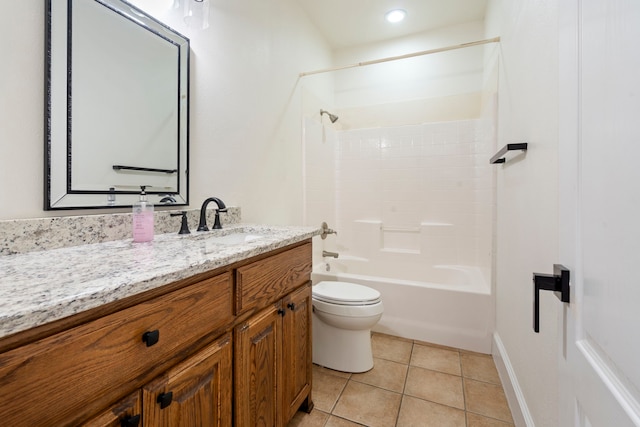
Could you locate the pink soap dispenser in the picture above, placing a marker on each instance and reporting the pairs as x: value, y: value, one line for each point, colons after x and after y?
x: 143, y: 218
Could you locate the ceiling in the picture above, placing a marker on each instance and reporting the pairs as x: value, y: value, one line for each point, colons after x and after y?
x: 346, y: 23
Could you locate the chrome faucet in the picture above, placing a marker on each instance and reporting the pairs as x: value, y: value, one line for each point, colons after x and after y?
x: 202, y: 225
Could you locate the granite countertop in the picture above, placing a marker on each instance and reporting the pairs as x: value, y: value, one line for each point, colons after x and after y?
x: 40, y: 287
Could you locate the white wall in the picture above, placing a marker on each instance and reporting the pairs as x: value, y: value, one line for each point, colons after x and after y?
x: 527, y: 201
x: 439, y: 87
x: 245, y: 105
x: 430, y: 76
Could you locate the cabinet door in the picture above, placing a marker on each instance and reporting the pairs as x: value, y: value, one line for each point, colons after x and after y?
x: 296, y: 351
x: 258, y: 369
x: 127, y: 412
x: 197, y: 392
x: 70, y: 376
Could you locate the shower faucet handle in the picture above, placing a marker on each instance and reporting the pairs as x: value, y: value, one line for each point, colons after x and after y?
x: 326, y: 230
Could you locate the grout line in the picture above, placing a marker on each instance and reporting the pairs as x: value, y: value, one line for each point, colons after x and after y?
x: 406, y: 377
x: 464, y: 395
x: 404, y: 386
x: 484, y: 382
x: 339, y: 396
x: 325, y: 421
x: 490, y: 417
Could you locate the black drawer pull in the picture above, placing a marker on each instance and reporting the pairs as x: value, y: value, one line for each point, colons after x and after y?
x: 291, y: 306
x: 165, y: 399
x: 281, y: 312
x: 130, y: 421
x: 151, y: 337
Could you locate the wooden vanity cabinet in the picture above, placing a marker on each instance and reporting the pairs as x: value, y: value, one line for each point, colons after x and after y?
x: 74, y: 374
x: 296, y: 351
x: 169, y: 360
x: 258, y: 369
x: 195, y: 392
x: 273, y: 362
x: 272, y: 374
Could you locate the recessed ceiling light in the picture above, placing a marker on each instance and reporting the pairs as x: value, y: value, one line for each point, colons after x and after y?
x: 395, y: 15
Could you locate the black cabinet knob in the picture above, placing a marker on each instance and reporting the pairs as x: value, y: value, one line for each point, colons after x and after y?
x: 165, y: 399
x: 291, y: 306
x: 151, y: 337
x: 281, y: 312
x: 130, y: 421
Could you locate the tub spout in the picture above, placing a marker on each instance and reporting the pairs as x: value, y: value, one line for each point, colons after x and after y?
x: 330, y: 254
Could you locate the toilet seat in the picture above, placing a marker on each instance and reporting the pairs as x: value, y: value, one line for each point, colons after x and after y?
x: 344, y: 293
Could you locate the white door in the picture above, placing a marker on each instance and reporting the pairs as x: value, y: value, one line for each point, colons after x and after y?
x: 599, y: 153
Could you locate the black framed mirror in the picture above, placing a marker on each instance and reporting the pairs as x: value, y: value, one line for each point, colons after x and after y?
x: 116, y: 106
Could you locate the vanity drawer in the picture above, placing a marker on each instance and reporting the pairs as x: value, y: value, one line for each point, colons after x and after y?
x: 71, y: 375
x: 265, y: 281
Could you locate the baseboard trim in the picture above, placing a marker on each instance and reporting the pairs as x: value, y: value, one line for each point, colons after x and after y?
x: 515, y: 397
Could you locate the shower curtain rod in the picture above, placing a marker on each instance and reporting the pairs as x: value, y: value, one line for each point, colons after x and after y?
x: 408, y: 55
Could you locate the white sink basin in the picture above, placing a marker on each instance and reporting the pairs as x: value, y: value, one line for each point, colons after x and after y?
x: 235, y: 238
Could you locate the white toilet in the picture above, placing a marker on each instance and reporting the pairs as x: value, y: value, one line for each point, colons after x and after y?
x: 343, y: 315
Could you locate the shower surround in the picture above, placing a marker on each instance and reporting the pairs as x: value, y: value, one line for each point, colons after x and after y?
x: 427, y: 188
x: 407, y: 200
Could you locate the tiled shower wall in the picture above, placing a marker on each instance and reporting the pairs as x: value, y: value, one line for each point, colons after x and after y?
x: 430, y: 181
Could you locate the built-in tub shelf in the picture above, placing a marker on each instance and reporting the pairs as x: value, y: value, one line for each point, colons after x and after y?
x: 499, y: 157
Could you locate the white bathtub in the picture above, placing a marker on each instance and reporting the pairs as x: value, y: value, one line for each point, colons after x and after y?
x: 448, y: 304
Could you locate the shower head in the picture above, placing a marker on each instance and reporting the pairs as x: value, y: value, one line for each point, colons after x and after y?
x: 332, y: 117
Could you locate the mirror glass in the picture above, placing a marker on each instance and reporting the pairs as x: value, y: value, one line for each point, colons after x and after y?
x: 117, y: 106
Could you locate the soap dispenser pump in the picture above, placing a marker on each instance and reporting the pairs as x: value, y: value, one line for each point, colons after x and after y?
x: 143, y: 218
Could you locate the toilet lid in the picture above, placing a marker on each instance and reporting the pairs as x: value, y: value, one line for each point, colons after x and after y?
x: 345, y: 293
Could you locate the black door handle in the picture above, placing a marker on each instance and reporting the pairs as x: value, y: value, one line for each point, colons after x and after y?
x: 557, y: 282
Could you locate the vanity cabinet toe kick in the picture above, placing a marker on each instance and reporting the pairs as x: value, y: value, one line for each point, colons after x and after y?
x: 169, y: 359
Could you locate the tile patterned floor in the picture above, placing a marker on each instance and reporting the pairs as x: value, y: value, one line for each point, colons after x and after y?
x: 412, y: 384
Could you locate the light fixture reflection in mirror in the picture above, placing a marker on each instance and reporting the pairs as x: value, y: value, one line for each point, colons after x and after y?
x: 196, y: 14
